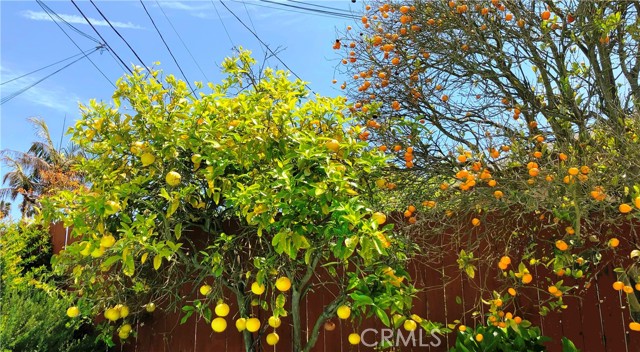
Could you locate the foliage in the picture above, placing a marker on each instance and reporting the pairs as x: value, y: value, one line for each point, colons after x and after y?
x: 274, y: 180
x: 511, y: 337
x: 34, y: 320
x: 33, y: 307
x: 40, y: 171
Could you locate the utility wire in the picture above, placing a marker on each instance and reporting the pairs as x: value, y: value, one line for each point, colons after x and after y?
x: 103, y: 40
x: 337, y: 14
x: 119, y: 35
x: 168, y: 49
x: 49, y: 12
x: 42, y: 68
x: 15, y: 94
x: 249, y: 16
x: 266, y: 46
x: 223, y: 25
x: 321, y: 6
x: 313, y: 13
x: 182, y: 41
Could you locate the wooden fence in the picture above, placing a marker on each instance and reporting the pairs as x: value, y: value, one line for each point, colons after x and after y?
x: 596, y: 319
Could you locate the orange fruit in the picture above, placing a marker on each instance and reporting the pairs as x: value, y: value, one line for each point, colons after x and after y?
x: 618, y: 285
x: 634, y: 326
x: 573, y: 171
x: 614, y: 242
x: 562, y: 245
x: 475, y: 222
x: 527, y: 278
x: 545, y: 15
x: 624, y: 208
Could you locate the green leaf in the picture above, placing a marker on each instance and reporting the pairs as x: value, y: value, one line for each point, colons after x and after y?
x: 178, y: 230
x: 361, y: 300
x: 106, y: 265
x: 384, y: 318
x: 157, y: 260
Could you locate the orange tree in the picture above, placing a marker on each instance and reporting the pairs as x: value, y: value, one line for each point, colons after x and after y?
x: 256, y: 152
x: 528, y: 109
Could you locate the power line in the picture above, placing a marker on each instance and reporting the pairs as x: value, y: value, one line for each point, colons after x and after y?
x: 333, y: 13
x: 99, y: 35
x: 313, y: 13
x: 321, y: 6
x: 49, y: 12
x: 222, y: 22
x: 119, y: 35
x: 265, y: 45
x: 15, y: 94
x: 182, y: 41
x: 42, y: 68
x: 167, y: 46
x: 249, y: 16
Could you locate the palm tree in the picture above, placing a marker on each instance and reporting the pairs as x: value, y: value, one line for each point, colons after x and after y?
x: 28, y: 170
x: 5, y: 209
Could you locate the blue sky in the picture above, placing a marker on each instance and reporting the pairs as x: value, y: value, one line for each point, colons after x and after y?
x: 30, y: 40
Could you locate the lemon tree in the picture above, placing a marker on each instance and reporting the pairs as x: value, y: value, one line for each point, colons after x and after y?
x: 288, y: 170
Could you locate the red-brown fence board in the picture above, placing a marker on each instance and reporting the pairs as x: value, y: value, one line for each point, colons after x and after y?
x: 596, y: 319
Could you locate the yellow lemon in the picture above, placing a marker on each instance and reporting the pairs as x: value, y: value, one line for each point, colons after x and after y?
x: 218, y: 324
x: 272, y: 339
x: 112, y: 314
x: 410, y: 325
x: 253, y: 324
x: 274, y: 322
x: 107, y: 241
x: 205, y: 290
x: 283, y: 284
x: 73, y: 312
x: 150, y: 307
x: 124, y: 331
x: 147, y: 159
x: 354, y: 338
x: 173, y: 178
x: 241, y: 324
x: 379, y: 218
x: 123, y: 335
x: 344, y: 312
x: 222, y: 310
x: 257, y: 288
x: 333, y: 145
x: 124, y: 311
x: 111, y: 207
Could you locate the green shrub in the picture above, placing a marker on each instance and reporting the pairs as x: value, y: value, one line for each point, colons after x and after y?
x: 35, y: 320
x: 32, y: 307
x: 511, y: 338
